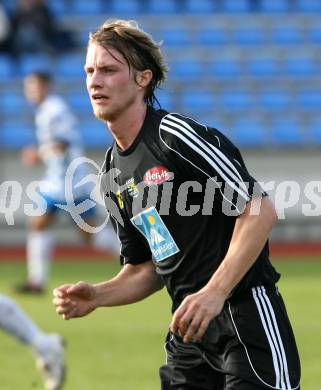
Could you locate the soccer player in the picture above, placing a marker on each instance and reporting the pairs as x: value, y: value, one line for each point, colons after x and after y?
x: 58, y: 144
x: 48, y: 348
x: 189, y: 216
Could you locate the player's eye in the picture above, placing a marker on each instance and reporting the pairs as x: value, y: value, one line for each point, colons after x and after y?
x: 108, y: 70
x: 89, y: 71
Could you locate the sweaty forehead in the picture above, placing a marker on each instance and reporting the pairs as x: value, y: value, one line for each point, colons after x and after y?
x: 98, y: 55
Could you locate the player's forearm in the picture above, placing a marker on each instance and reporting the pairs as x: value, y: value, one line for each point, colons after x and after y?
x: 249, y: 237
x: 132, y: 284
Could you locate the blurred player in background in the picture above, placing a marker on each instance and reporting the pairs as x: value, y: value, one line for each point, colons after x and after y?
x: 48, y: 348
x: 58, y: 144
x: 229, y: 329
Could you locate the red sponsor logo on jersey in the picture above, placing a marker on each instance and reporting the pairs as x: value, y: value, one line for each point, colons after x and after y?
x: 157, y: 175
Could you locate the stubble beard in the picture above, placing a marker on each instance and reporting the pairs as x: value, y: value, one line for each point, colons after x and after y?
x: 101, y: 114
x: 106, y: 115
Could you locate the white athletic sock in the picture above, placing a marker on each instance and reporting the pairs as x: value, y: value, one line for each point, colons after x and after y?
x: 39, y: 256
x: 15, y: 322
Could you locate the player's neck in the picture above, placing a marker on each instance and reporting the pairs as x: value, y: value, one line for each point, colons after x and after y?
x: 127, y: 126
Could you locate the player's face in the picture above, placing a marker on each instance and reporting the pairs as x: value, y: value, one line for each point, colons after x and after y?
x: 110, y: 83
x: 35, y: 90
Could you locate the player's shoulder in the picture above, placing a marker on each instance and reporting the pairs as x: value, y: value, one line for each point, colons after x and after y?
x: 174, y: 126
x: 54, y: 100
x: 161, y: 117
x: 177, y: 129
x: 55, y: 104
x: 176, y: 123
x: 175, y: 119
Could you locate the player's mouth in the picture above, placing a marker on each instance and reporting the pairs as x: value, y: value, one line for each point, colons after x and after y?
x: 99, y: 98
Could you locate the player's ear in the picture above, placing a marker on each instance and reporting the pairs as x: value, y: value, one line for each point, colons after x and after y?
x: 144, y: 77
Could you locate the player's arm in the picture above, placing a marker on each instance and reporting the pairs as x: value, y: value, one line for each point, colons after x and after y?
x: 204, y: 152
x: 33, y: 155
x: 136, y: 280
x: 250, y: 234
x: 133, y: 283
x: 249, y: 237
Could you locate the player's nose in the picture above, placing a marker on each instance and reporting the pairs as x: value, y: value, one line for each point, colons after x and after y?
x: 96, y: 80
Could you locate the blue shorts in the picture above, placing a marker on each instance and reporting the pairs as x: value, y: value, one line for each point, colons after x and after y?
x: 52, y: 205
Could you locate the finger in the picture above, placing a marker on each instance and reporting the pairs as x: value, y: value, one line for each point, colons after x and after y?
x: 77, y: 288
x: 193, y: 323
x: 66, y: 305
x: 57, y: 293
x: 60, y: 301
x: 174, y: 325
x: 183, y: 323
x: 71, y: 314
x: 61, y: 290
x: 201, y: 330
x: 191, y: 330
x: 63, y: 310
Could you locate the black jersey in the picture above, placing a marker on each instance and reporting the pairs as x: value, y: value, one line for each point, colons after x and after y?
x: 174, y: 196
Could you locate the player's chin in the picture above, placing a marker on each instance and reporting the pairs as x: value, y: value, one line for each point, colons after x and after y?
x: 100, y: 113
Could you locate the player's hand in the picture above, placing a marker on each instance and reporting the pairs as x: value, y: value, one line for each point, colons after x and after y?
x: 30, y: 156
x: 74, y: 300
x: 192, y: 317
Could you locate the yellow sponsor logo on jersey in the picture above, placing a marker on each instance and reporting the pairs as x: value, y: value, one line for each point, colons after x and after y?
x: 120, y: 200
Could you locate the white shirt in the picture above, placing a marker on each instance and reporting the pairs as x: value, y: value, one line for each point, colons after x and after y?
x: 55, y: 123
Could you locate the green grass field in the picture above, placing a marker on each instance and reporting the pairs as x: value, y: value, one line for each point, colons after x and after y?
x: 122, y: 348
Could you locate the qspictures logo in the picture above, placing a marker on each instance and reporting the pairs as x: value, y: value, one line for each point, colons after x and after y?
x: 289, y: 197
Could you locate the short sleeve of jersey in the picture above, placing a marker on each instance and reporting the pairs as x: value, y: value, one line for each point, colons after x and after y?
x: 206, y: 153
x: 134, y: 249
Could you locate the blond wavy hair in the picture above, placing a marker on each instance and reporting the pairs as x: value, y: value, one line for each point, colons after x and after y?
x: 138, y: 48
